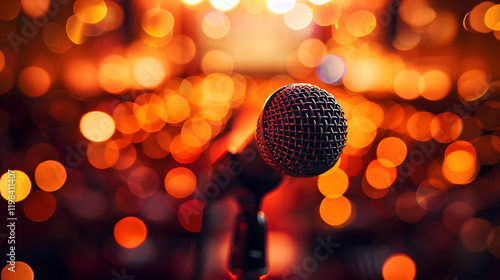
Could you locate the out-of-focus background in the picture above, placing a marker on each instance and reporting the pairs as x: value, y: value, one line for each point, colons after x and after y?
x: 111, y: 113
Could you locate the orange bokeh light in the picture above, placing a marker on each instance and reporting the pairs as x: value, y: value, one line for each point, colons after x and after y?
x: 311, y: 51
x: 419, y: 126
x: 334, y: 184
x: 180, y: 182
x: 326, y: 14
x: 103, y: 155
x: 114, y: 74
x: 35, y: 8
x: 380, y: 176
x: 130, y: 232
x: 391, y: 151
x: 399, y: 267
x: 90, y: 11
x: 50, y: 175
x: 335, y: 211
x: 34, y: 81
x: 158, y: 22
x: 406, y: 84
x: 23, y: 272
x: 181, y: 49
x: 446, y: 127
x: 177, y: 108
x: 80, y: 77
x: 434, y: 85
x: 460, y: 165
x: 472, y: 84
x: 124, y: 117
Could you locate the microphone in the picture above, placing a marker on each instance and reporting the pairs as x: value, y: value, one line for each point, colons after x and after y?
x: 301, y: 132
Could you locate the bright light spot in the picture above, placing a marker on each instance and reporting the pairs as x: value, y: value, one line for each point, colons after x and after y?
x: 180, y: 182
x: 177, y: 108
x: 191, y: 2
x: 334, y: 184
x: 472, y: 84
x: 21, y: 183
x: 359, y: 75
x: 419, y: 126
x: 23, y: 272
x: 76, y: 29
x: 158, y: 22
x: 224, y: 5
x: 113, y: 75
x: 130, y: 232
x: 492, y: 17
x: 331, y: 69
x: 391, y: 151
x: 149, y: 72
x: 460, y: 161
x: 434, y: 85
x: 311, y: 52
x: 361, y: 23
x: 362, y: 131
x: 215, y: 24
x: 416, y: 13
x: 380, y: 176
x: 280, y: 6
x: 97, y: 126
x: 335, y: 211
x: 50, y: 175
x: 90, y: 11
x: 35, y: 8
x: 399, y: 267
x: 406, y: 84
x: 299, y: 17
x: 326, y: 14
x: 318, y: 2
x: 477, y: 17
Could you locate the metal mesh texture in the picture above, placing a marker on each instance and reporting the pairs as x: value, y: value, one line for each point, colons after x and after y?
x: 301, y: 131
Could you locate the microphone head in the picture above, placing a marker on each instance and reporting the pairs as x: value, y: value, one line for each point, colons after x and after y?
x: 301, y: 131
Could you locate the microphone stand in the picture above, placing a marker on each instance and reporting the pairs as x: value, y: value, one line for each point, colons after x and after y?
x: 248, y: 251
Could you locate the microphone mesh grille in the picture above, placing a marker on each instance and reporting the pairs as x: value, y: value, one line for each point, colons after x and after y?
x: 302, y: 130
